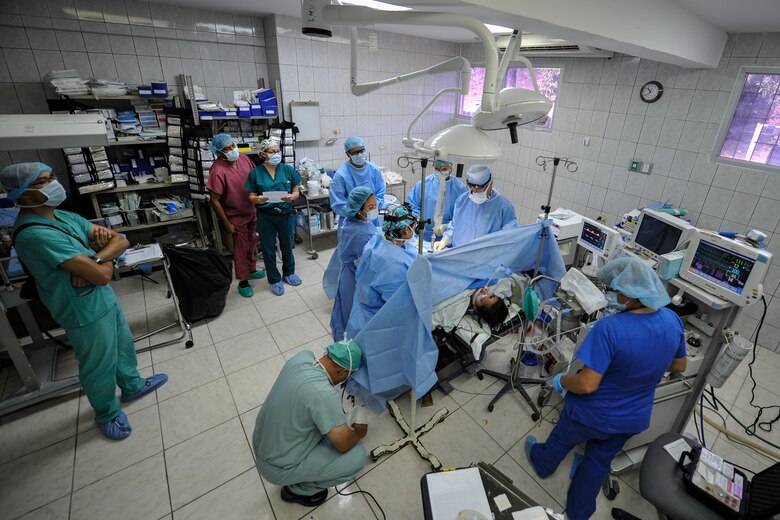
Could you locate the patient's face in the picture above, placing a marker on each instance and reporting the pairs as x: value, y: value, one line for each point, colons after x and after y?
x: 483, y: 298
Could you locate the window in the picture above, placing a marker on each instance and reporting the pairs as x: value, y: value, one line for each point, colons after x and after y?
x: 751, y: 137
x: 547, y: 78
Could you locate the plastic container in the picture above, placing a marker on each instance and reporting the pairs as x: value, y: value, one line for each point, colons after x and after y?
x: 266, y: 94
x: 313, y: 188
x: 256, y: 109
x: 160, y: 89
x: 145, y: 91
x: 244, y: 111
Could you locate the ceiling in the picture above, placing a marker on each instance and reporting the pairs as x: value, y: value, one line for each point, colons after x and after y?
x: 690, y: 33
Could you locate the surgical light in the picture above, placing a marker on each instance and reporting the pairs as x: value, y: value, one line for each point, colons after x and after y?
x: 463, y: 144
x: 381, y: 6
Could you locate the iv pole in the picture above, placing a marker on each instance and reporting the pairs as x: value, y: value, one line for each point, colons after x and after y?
x: 542, y: 161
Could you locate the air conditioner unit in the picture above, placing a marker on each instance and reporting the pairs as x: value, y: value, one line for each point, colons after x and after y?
x: 541, y: 46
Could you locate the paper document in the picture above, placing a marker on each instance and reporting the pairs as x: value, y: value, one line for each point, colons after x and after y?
x: 451, y: 492
x: 142, y: 255
x: 677, y: 448
x: 275, y: 196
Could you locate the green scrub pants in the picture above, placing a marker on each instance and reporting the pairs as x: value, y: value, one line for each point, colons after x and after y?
x: 322, y: 468
x: 106, y: 355
x: 270, y: 226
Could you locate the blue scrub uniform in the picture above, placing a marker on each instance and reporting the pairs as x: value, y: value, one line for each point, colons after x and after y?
x: 631, y: 351
x: 454, y: 189
x: 347, y: 178
x: 94, y: 322
x: 471, y: 220
x: 382, y: 271
x: 352, y: 240
x: 290, y: 437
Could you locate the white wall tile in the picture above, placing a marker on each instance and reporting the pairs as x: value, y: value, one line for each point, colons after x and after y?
x: 717, y: 202
x: 741, y: 208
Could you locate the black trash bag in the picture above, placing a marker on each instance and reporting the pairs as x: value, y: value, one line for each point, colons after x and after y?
x: 201, y: 279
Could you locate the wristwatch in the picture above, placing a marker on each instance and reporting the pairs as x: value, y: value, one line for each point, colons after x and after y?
x: 97, y: 259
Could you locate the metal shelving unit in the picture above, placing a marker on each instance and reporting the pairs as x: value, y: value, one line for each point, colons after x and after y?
x: 154, y: 224
x: 136, y: 142
x: 142, y: 187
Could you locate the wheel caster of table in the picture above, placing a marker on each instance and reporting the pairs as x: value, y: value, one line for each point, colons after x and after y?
x: 314, y: 256
x: 610, y: 488
x: 544, y: 396
x: 480, y: 376
x: 535, y: 417
x: 189, y: 344
x: 490, y: 408
x: 298, y: 240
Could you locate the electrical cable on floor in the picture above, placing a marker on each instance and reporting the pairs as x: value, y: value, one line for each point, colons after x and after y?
x: 701, y: 419
x: 732, y: 437
x: 770, y: 453
x: 765, y: 425
x: 365, y: 493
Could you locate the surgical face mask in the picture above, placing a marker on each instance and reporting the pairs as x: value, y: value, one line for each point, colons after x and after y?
x: 479, y: 197
x: 274, y: 158
x: 612, y: 301
x: 371, y: 215
x: 55, y: 195
x: 359, y: 159
x: 232, y: 155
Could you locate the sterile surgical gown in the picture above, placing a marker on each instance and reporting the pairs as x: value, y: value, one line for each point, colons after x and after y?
x: 347, y: 178
x: 381, y: 272
x: 352, y: 240
x: 454, y: 188
x: 471, y: 220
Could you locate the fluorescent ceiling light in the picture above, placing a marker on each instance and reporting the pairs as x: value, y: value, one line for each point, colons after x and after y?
x: 375, y: 4
x: 497, y: 29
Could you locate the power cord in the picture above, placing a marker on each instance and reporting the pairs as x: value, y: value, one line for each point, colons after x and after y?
x: 384, y: 517
x: 764, y: 425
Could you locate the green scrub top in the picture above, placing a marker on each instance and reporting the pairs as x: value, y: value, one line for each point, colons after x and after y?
x: 43, y: 249
x: 285, y: 179
x: 301, y: 408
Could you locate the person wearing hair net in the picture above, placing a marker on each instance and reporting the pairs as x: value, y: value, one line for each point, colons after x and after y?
x: 230, y: 200
x: 479, y: 212
x: 611, y: 398
x: 302, y: 438
x: 383, y: 266
x: 356, y: 171
x: 361, y: 212
x: 454, y: 189
x: 71, y: 262
x: 275, y: 220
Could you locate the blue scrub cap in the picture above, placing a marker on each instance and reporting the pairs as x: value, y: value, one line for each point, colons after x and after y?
x: 479, y: 174
x: 353, y: 142
x: 398, y: 217
x: 635, y: 279
x: 357, y: 197
x: 219, y: 142
x: 345, y: 354
x: 16, y: 178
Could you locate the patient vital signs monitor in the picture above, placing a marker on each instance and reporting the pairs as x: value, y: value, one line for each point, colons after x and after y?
x: 730, y: 270
x: 598, y: 238
x: 658, y: 233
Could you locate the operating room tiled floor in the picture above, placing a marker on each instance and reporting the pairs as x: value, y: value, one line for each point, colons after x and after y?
x: 190, y: 456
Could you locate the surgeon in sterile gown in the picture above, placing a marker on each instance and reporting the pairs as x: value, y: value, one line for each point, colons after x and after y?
x: 356, y: 171
x: 481, y: 211
x: 454, y: 188
x: 383, y: 266
x: 361, y: 211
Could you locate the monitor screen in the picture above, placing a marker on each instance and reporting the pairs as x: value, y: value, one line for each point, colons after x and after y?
x: 657, y: 236
x: 721, y: 266
x: 594, y: 236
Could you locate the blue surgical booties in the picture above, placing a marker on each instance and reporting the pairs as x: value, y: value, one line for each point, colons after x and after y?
x: 352, y: 240
x: 635, y: 279
x: 381, y: 272
x: 471, y: 220
x: 454, y: 188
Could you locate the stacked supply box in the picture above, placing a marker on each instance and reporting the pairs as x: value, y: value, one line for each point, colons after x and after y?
x: 89, y: 168
x: 175, y: 149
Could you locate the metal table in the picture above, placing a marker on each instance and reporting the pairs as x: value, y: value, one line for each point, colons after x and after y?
x: 305, y: 201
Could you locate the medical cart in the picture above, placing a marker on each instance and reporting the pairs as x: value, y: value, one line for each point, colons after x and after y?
x: 306, y: 201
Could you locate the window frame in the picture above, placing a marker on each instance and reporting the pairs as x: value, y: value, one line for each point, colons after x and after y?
x: 520, y: 64
x: 728, y: 117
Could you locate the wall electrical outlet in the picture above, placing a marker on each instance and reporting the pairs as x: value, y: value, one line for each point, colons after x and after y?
x: 646, y: 168
x: 383, y: 147
x: 336, y: 131
x: 634, y: 166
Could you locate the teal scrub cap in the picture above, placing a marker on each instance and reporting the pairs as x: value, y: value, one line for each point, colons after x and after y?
x: 357, y: 197
x: 346, y: 355
x: 353, y: 142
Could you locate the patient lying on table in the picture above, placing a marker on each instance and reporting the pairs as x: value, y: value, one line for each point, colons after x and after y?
x: 490, y: 307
